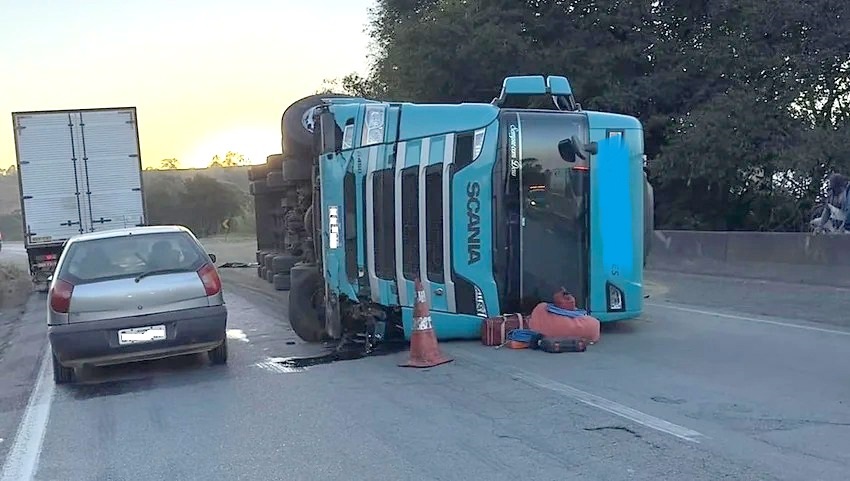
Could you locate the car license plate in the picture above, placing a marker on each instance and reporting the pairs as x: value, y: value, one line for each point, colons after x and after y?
x: 139, y: 335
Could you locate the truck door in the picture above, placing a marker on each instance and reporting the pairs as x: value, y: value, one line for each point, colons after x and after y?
x: 49, y: 161
x: 111, y: 170
x: 616, y: 224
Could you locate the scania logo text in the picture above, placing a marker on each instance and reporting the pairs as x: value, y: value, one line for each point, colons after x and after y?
x: 473, y: 226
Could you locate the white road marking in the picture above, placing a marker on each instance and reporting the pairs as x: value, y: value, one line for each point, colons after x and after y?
x: 597, y: 402
x: 22, y: 461
x: 748, y: 319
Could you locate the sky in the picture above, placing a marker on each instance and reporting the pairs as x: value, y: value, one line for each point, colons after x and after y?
x: 206, y: 76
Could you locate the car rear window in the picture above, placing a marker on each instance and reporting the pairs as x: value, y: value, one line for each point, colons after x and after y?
x: 128, y: 256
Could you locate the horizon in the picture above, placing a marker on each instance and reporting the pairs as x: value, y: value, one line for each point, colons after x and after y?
x: 205, y: 77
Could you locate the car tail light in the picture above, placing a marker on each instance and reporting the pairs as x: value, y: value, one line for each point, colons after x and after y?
x: 60, y: 296
x: 209, y: 276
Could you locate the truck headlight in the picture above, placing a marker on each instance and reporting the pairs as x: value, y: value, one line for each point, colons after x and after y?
x: 478, y: 143
x: 614, y: 296
x: 373, y: 125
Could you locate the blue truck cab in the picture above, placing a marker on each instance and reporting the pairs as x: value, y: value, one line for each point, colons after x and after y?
x: 493, y: 206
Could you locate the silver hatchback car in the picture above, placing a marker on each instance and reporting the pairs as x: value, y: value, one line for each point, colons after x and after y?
x: 134, y: 294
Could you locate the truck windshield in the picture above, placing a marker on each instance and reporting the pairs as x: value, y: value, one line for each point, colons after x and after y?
x: 546, y: 196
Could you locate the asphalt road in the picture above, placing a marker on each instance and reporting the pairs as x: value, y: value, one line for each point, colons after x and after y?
x: 704, y: 387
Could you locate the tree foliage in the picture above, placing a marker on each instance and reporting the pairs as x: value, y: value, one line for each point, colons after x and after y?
x: 745, y: 104
x: 200, y: 203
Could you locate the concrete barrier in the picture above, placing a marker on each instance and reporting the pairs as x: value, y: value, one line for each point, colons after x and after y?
x: 782, y: 256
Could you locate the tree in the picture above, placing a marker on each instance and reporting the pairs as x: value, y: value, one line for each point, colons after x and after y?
x: 745, y: 104
x: 169, y: 164
x: 231, y: 159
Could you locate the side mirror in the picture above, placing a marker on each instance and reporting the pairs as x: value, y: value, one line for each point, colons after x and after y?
x: 50, y: 278
x: 331, y: 136
x: 573, y: 147
x: 213, y: 258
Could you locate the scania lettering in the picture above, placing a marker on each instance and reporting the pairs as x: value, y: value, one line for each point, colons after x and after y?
x: 473, y: 226
x: 491, y: 205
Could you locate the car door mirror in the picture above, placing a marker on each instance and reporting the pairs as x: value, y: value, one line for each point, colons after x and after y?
x: 213, y: 258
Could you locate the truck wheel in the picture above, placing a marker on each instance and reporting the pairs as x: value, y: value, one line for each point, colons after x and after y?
x: 282, y: 282
x: 306, y: 303
x: 275, y: 179
x: 267, y: 261
x: 297, y: 125
x: 298, y: 169
x: 258, y: 187
x: 261, y: 272
x: 283, y: 264
x: 62, y: 374
x: 260, y: 256
x: 274, y: 162
x: 269, y: 276
x: 257, y: 172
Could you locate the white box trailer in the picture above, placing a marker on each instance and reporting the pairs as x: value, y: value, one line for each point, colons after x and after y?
x: 79, y: 171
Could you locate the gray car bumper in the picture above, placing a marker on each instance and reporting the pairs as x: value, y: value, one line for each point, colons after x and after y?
x: 96, y: 343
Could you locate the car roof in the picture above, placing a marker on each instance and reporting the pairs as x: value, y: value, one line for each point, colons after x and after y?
x: 130, y: 231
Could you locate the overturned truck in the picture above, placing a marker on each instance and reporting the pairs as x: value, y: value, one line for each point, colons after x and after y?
x: 493, y: 206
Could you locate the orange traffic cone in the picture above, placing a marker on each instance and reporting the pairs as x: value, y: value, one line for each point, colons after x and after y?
x: 424, y: 351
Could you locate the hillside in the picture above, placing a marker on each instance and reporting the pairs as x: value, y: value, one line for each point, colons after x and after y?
x: 9, y: 197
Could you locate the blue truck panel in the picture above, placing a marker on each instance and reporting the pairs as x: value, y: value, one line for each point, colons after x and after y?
x: 616, y: 221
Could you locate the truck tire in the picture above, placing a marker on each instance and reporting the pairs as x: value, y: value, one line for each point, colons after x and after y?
x: 267, y: 261
x: 298, y: 169
x: 261, y: 272
x: 296, y: 125
x: 282, y: 264
x: 274, y: 162
x: 275, y: 179
x: 306, y: 303
x: 260, y: 256
x: 257, y: 172
x: 281, y: 282
x: 269, y: 276
x: 258, y: 187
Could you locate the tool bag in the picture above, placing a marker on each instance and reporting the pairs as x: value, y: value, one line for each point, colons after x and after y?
x: 494, y: 330
x: 559, y: 344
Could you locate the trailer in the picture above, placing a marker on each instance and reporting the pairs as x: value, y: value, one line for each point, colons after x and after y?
x: 79, y: 171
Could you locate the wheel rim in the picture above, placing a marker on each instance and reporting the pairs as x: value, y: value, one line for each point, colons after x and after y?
x: 307, y: 120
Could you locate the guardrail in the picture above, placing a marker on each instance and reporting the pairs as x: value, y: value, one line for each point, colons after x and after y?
x: 783, y: 256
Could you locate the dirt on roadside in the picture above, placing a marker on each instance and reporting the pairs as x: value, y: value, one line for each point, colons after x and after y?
x: 15, y: 286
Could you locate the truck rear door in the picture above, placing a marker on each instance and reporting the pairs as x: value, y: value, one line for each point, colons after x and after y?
x: 111, y: 169
x: 48, y: 165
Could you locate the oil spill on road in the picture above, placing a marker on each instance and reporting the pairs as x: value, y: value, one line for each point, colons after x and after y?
x: 82, y: 392
x: 346, y: 352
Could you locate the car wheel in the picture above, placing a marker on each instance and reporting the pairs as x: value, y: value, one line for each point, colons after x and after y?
x: 306, y: 303
x: 297, y: 124
x: 282, y: 282
x: 218, y: 356
x: 62, y: 374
